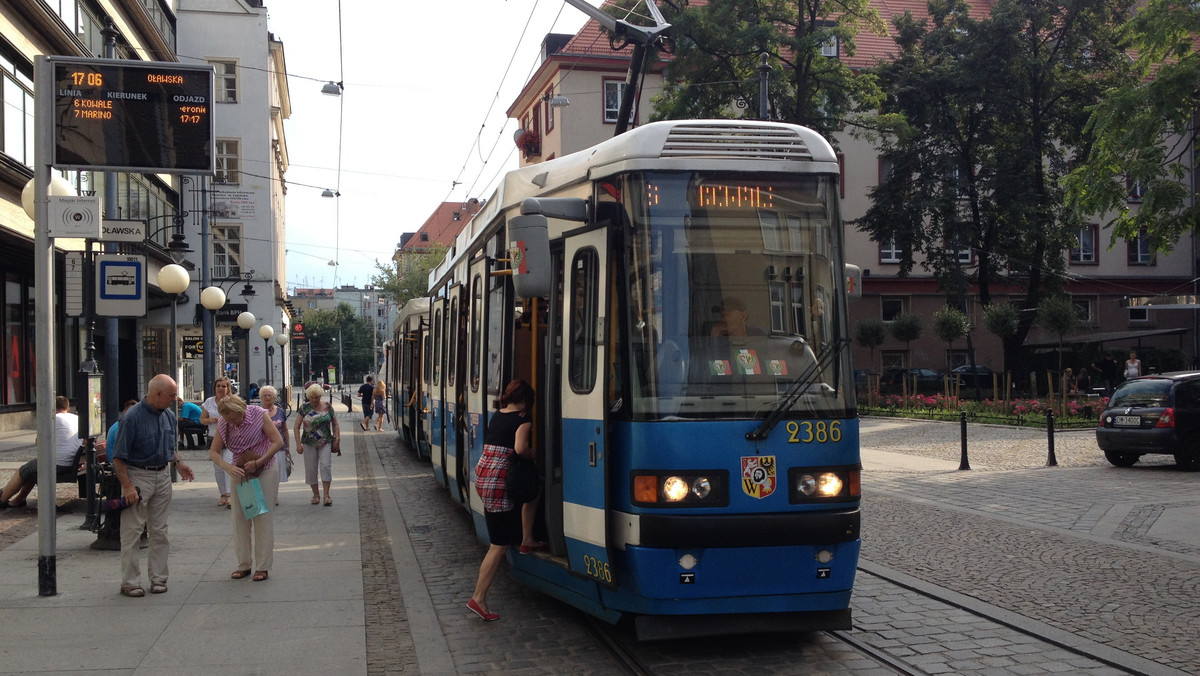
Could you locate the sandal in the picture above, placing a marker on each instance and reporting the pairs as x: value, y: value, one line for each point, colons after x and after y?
x: 224, y: 501
x: 259, y: 575
x: 158, y: 587
x: 316, y: 500
x: 363, y: 425
x: 133, y: 592
x: 239, y: 574
x: 328, y: 502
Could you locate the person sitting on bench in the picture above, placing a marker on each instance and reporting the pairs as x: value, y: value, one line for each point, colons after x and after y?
x: 191, y: 432
x: 68, y: 450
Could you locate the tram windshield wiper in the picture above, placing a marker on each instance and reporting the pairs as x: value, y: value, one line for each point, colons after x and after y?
x: 798, y: 388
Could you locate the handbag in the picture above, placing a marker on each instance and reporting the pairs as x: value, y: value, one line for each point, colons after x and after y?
x: 290, y: 464
x: 252, y: 499
x: 521, y: 480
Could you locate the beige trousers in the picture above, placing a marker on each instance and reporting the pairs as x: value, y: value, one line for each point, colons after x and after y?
x: 260, y: 529
x: 151, y: 511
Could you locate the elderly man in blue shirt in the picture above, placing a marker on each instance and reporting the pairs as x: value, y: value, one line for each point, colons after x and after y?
x: 145, y: 447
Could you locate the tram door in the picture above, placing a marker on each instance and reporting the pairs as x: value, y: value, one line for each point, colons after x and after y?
x: 583, y: 433
x: 437, y: 437
x: 476, y: 413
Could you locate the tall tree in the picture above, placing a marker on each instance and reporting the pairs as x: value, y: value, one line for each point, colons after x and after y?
x: 407, y: 276
x: 715, y: 69
x: 339, y: 337
x: 1145, y: 131
x: 982, y: 121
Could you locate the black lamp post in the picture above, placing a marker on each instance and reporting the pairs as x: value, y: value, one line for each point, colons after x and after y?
x: 266, y: 332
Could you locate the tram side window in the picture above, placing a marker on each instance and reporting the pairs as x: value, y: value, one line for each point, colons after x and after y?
x: 428, y: 361
x: 583, y: 320
x: 476, y: 331
x: 452, y: 334
x: 437, y: 347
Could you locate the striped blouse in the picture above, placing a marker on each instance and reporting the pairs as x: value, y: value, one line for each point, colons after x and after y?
x: 247, y: 437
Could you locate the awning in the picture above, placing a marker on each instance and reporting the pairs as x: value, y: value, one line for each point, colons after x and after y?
x: 1109, y: 337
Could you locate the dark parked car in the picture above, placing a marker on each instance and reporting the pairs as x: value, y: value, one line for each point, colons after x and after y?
x: 1153, y: 414
x: 927, y: 380
x: 968, y: 376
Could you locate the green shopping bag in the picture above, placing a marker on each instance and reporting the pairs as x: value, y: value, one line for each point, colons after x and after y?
x: 254, y: 501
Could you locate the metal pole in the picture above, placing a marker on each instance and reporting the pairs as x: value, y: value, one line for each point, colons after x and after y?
x: 1051, y: 460
x: 43, y: 278
x: 341, y: 373
x: 963, y: 463
x: 267, y: 358
x: 208, y: 328
x: 112, y: 327
x: 176, y: 378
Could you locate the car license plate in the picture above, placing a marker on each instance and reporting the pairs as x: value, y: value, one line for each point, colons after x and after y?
x: 1128, y: 421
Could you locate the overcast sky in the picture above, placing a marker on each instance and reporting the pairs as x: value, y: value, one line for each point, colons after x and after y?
x: 427, y: 85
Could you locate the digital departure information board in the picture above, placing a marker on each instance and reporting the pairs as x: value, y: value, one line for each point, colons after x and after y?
x: 139, y: 116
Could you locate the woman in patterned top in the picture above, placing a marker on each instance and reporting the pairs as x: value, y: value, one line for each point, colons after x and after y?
x: 270, y: 396
x: 251, y: 435
x: 319, y: 437
x: 509, y: 432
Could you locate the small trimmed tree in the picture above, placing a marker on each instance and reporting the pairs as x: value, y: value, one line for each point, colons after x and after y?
x: 950, y: 324
x: 870, y: 333
x: 906, y: 327
x: 1058, y: 315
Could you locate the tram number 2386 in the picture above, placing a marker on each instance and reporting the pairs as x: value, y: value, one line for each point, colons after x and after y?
x: 598, y: 569
x: 814, y: 431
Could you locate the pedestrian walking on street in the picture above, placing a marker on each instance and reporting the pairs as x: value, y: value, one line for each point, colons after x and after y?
x: 380, y: 403
x: 1133, y: 367
x: 366, y: 395
x: 269, y: 395
x: 319, y: 437
x: 509, y: 432
x: 145, y: 446
x: 251, y: 434
x: 222, y: 387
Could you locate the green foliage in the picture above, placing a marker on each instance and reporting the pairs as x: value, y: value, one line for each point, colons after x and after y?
x: 1144, y: 132
x: 979, y: 128
x: 325, y: 328
x: 906, y: 327
x: 407, y: 277
x: 1058, y: 315
x: 870, y: 333
x: 714, y: 73
x: 1002, y: 319
x: 950, y: 324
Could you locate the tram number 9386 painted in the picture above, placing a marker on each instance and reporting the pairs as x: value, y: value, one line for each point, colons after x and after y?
x: 814, y: 431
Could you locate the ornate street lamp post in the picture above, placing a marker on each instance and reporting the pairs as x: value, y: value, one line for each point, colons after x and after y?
x: 246, y: 321
x: 266, y: 332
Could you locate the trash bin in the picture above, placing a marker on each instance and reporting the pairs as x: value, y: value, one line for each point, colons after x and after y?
x: 348, y: 402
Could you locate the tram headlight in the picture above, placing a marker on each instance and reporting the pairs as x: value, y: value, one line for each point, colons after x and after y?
x: 675, y: 489
x: 824, y: 484
x: 706, y: 488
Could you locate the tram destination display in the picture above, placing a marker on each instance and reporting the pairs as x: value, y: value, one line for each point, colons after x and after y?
x: 140, y: 116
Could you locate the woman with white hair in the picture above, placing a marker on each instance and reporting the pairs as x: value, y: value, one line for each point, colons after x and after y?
x: 319, y: 437
x: 269, y: 395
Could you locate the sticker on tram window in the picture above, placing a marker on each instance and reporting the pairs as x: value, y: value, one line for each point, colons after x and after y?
x: 813, y: 431
x: 748, y: 364
x: 777, y: 367
x: 758, y: 475
x: 720, y: 367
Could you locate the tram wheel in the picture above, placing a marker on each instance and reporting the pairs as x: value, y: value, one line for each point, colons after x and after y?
x: 1122, y: 459
x: 1187, y: 456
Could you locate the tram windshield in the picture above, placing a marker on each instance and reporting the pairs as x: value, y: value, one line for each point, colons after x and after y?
x: 734, y: 287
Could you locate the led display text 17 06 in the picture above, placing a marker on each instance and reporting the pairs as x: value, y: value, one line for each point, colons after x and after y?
x: 735, y: 196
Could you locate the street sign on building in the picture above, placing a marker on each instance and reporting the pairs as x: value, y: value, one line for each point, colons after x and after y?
x: 193, y: 347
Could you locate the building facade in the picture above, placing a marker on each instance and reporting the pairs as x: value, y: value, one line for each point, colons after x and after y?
x: 1101, y: 281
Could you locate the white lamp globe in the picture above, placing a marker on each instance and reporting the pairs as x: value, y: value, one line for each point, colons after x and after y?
x: 246, y: 320
x: 58, y: 187
x: 266, y: 331
x: 281, y: 338
x: 213, y: 298
x: 173, y: 279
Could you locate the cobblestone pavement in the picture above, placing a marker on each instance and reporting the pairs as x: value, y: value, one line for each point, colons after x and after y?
x: 1072, y: 546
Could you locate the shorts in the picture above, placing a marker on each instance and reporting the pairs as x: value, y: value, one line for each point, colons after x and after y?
x: 62, y: 474
x: 366, y: 406
x: 504, y: 528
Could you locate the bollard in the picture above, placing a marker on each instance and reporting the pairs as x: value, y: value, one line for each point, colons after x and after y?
x: 963, y: 463
x: 1051, y: 461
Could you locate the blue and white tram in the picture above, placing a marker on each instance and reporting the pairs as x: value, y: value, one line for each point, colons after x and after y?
x: 677, y: 297
x: 403, y: 369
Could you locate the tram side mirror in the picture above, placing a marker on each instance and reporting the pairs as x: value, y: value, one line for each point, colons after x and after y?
x: 854, y: 277
x: 529, y: 253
